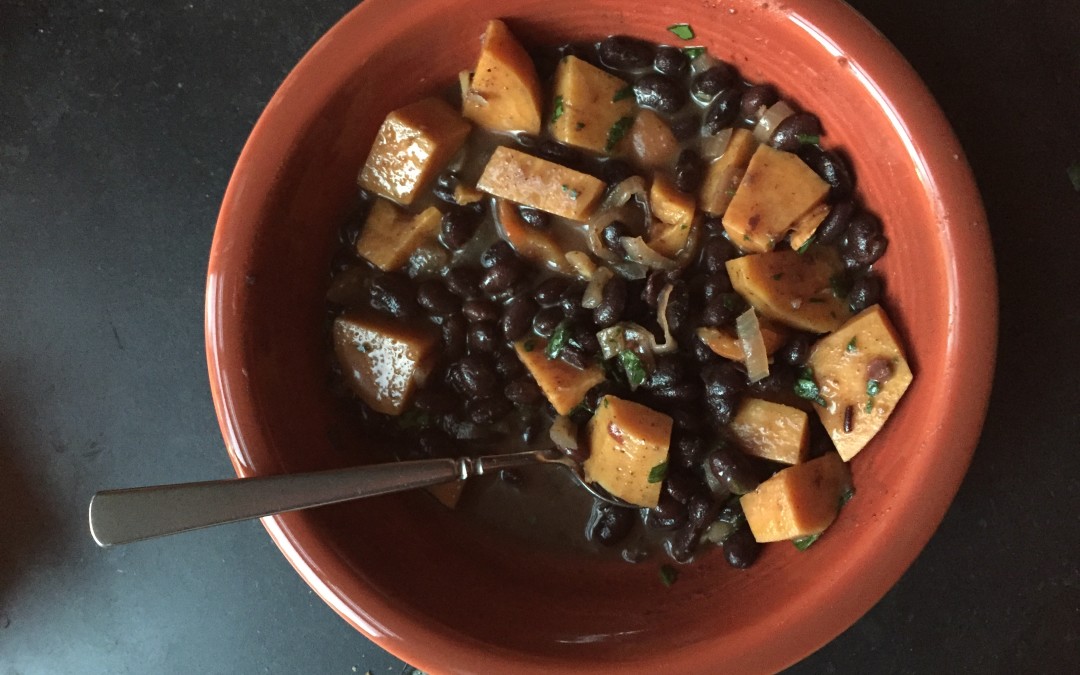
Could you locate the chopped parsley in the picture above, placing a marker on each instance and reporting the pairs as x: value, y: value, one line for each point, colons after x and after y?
x: 806, y: 387
x: 803, y: 543
x: 873, y: 387
x: 851, y: 347
x: 1074, y: 175
x: 635, y: 369
x: 529, y: 345
x: 617, y: 131
x: 869, y: 406
x: 668, y: 575
x: 624, y: 93
x: 693, y: 52
x: 682, y: 31
x: 809, y: 139
x: 559, y: 339
x: 806, y: 245
x: 558, y: 110
x: 658, y: 473
x: 846, y: 496
x: 574, y: 194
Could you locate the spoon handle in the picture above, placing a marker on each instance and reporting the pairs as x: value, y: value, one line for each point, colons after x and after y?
x: 124, y: 516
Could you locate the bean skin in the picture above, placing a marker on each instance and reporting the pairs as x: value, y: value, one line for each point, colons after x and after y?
x: 483, y: 337
x: 454, y: 336
x: 863, y: 243
x: 547, y: 320
x: 715, y: 254
x: 550, y: 291
x: 832, y: 168
x: 711, y: 82
x: 489, y: 410
x: 393, y: 293
x: 668, y: 514
x: 517, y: 318
x: 534, y: 218
x: 523, y: 391
x: 615, y: 171
x: 612, y: 303
x: 500, y: 277
x: 741, y: 549
x: 611, y: 236
x: 507, y: 364
x: 796, y: 351
x: 436, y: 299
x: 660, y: 93
x: 733, y: 470
x: 671, y: 62
x: 866, y: 291
x: 610, y: 524
x: 500, y: 251
x: 473, y: 377
x: 722, y: 113
x: 689, y: 171
x: 789, y: 134
x: 480, y: 310
x: 623, y: 52
x: 687, y: 450
x: 836, y: 223
x: 754, y: 99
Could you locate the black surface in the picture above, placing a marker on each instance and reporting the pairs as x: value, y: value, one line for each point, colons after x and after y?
x: 119, y: 126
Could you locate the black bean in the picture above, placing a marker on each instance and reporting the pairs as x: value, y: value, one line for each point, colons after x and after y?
x: 713, y: 226
x: 436, y: 299
x: 685, y: 127
x: 864, y: 242
x: 489, y: 410
x: 792, y: 133
x: 687, y: 451
x: 583, y: 336
x: 702, y: 353
x: 480, y: 311
x: 681, y: 394
x: 507, y: 364
x: 719, y: 310
x: 667, y: 514
x: 500, y: 278
x: 458, y: 227
x: 561, y: 154
x: 546, y: 320
x: 686, y: 420
x: 711, y: 82
x: 689, y: 171
x: 550, y: 291
x: 612, y: 303
x: 483, y: 337
x: 615, y: 171
x: 609, y: 524
x: 430, y: 443
x: 350, y: 231
x: 500, y: 251
x: 715, y: 253
x: 344, y: 258
x: 779, y: 381
x: 836, y: 223
x: 723, y: 380
x: 623, y: 52
x: 654, y: 286
x: 534, y: 217
x: 611, y: 236
x: 435, y: 399
x: 796, y: 351
x: 517, y: 318
x: 741, y: 549
x: 716, y: 284
x: 755, y: 99
x: 445, y: 183
x: 672, y: 62
x: 668, y: 371
x: 571, y: 301
x: 733, y: 470
x: 523, y: 391
x: 702, y: 509
x: 454, y: 335
x: 722, y: 113
x: 682, y: 484
x: 574, y: 356
x: 464, y: 282
x: 682, y: 543
x: 678, y: 307
x: 866, y: 291
x: 598, y: 392
x: 721, y: 410
x: 659, y: 93
x: 832, y: 168
x: 394, y: 294
x: 472, y: 376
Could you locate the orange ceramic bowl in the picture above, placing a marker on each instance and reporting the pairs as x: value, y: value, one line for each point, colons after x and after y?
x: 446, y: 597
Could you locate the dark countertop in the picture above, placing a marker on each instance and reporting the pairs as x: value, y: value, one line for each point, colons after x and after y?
x: 119, y: 126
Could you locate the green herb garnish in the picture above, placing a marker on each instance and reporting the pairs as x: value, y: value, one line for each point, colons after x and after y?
x: 668, y: 575
x: 806, y: 245
x: 574, y: 194
x: 635, y: 369
x: 803, y: 543
x: 851, y: 346
x: 529, y: 345
x: 1074, y: 175
x: 658, y: 473
x: 557, y: 111
x: 624, y: 93
x: 559, y: 339
x: 809, y: 139
x: 682, y: 31
x: 873, y: 387
x: 869, y: 406
x: 693, y: 52
x: 617, y: 131
x: 846, y: 496
x: 806, y: 387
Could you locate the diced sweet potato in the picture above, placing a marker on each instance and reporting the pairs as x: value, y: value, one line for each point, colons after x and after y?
x: 798, y: 501
x: 792, y: 288
x: 564, y: 385
x: 384, y: 360
x: 514, y: 175
x: 806, y: 226
x: 504, y: 93
x: 448, y: 494
x: 413, y: 144
x: 627, y: 442
x: 652, y: 144
x: 463, y: 194
x: 669, y: 204
x: 725, y: 343
x: 771, y: 431
x: 588, y: 103
x: 777, y: 189
x: 537, y: 246
x: 864, y: 348
x: 390, y: 235
x: 725, y: 173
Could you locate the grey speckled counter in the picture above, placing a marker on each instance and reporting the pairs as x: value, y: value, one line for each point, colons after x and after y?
x: 119, y: 125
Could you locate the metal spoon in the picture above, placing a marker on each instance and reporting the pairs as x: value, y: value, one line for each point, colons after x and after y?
x: 124, y: 516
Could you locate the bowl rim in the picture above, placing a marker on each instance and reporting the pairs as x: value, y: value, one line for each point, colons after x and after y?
x: 973, y: 312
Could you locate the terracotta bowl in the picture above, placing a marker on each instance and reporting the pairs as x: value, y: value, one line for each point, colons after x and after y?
x: 445, y: 597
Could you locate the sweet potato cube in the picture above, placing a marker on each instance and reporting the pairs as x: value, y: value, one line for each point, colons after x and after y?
x: 798, y: 501
x: 564, y: 385
x: 669, y: 204
x: 792, y: 288
x: 587, y: 104
x: 384, y: 360
x: 652, y: 144
x: 413, y: 144
x: 771, y: 431
x: 863, y: 349
x: 725, y: 343
x: 514, y: 175
x: 537, y: 246
x: 448, y: 494
x: 806, y: 226
x: 504, y: 93
x: 390, y: 235
x: 777, y: 189
x: 725, y: 173
x: 627, y: 444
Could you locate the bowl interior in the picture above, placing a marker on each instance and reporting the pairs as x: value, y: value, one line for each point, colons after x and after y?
x: 443, y: 593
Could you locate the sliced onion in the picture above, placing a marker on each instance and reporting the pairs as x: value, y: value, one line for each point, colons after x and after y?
x: 753, y: 345
x: 638, y: 251
x: 582, y: 263
x: 622, y: 192
x: 563, y: 433
x: 612, y: 340
x: 772, y: 118
x: 661, y: 318
x: 630, y: 270
x: 594, y: 292
x: 594, y: 227
x: 714, y: 146
x: 465, y: 82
